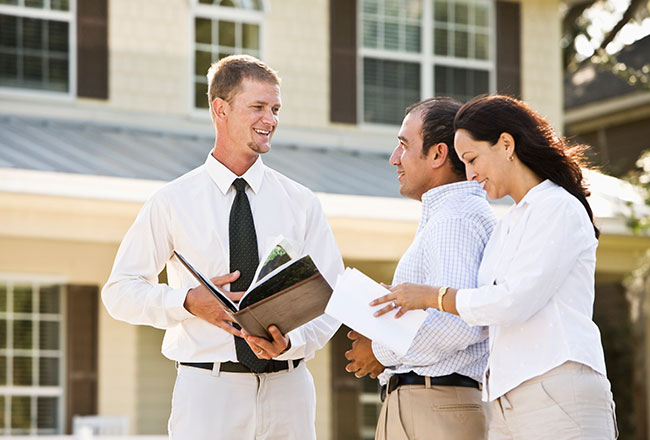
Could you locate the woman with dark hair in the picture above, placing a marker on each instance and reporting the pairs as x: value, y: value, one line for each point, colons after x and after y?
x: 546, y: 374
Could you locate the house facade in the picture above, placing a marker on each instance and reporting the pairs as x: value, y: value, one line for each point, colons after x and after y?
x: 102, y: 101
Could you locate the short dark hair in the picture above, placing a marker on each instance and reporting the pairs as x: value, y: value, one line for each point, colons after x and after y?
x: 438, y: 126
x: 537, y: 145
x: 225, y: 76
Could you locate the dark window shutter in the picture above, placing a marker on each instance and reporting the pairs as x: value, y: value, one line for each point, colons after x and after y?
x: 92, y: 49
x: 508, y: 48
x: 343, y: 61
x: 81, y: 350
x: 346, y: 411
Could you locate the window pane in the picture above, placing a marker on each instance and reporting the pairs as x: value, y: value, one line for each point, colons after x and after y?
x: 461, y: 43
x: 441, y: 11
x: 22, y: 371
x: 3, y: 287
x: 202, y: 62
x: 3, y: 374
x: 251, y: 36
x: 58, y: 75
x: 391, y: 8
x: 33, y: 69
x: 8, y: 2
x: 462, y: 84
x: 3, y: 333
x: 200, y: 95
x: 46, y: 412
x: 461, y: 13
x: 58, y: 36
x: 370, y: 33
x: 203, y: 29
x: 49, y: 295
x: 2, y: 412
x: 370, y: 6
x: 414, y: 9
x: 22, y: 334
x: 34, y: 3
x: 49, y: 335
x: 208, y: 2
x: 60, y: 5
x: 228, y: 3
x: 481, y: 15
x: 481, y: 47
x: 391, y: 36
x: 226, y: 33
x: 8, y: 31
x: 48, y: 371
x: 20, y: 412
x: 389, y: 87
x: 440, y: 41
x: 32, y: 33
x: 23, y: 299
x: 412, y: 38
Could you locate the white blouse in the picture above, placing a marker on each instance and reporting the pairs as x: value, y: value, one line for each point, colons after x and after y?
x: 536, y: 290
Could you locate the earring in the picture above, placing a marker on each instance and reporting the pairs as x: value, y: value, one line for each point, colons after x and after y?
x: 511, y: 158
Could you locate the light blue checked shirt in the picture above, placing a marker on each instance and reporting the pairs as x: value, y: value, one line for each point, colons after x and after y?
x: 454, y: 228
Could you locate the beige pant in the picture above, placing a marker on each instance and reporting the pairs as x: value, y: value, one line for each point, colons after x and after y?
x: 569, y: 402
x: 243, y: 406
x: 439, y: 412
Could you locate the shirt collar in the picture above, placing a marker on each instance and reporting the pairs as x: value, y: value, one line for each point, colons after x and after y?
x: 536, y: 192
x: 433, y: 199
x: 224, y: 178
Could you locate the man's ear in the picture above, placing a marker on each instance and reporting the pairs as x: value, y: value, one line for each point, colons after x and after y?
x: 437, y: 155
x: 220, y: 108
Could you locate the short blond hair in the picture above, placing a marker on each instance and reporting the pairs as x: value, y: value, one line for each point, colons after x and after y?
x: 226, y: 75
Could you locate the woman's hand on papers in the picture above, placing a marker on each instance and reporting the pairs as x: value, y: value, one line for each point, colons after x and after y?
x: 201, y: 303
x: 407, y: 296
x: 362, y: 357
x: 265, y: 349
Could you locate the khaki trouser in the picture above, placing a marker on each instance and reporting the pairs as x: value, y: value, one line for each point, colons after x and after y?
x: 415, y: 412
x: 569, y: 402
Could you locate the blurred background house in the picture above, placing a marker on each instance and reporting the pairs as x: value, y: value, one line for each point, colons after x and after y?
x: 103, y: 101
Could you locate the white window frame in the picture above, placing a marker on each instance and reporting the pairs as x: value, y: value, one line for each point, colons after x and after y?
x: 45, y: 13
x: 45, y: 391
x: 426, y: 58
x: 213, y: 12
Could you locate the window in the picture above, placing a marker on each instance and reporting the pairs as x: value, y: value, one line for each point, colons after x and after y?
x: 35, y: 44
x: 31, y: 358
x: 222, y: 28
x: 412, y: 49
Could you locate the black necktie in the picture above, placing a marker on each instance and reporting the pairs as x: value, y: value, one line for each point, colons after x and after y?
x: 244, y: 258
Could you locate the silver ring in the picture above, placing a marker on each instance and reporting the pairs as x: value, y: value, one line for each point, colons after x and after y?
x: 394, y: 305
x: 261, y: 351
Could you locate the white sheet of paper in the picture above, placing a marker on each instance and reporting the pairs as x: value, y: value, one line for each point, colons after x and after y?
x: 349, y: 304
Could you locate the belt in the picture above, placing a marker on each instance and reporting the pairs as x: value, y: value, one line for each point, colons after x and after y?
x: 235, y: 367
x: 410, y: 378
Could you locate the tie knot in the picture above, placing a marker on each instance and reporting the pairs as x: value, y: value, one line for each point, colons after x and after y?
x: 239, y: 184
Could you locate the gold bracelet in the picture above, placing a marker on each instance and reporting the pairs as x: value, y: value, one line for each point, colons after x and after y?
x: 441, y: 294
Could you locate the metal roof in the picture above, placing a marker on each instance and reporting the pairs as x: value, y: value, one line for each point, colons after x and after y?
x: 107, y: 150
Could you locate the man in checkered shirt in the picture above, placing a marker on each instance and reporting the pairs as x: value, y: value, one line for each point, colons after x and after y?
x: 433, y: 390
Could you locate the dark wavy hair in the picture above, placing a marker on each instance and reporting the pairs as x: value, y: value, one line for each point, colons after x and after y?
x: 537, y: 146
x: 438, y: 126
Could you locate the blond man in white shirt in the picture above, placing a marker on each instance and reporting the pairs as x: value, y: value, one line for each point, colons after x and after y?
x: 216, y: 396
x: 546, y: 375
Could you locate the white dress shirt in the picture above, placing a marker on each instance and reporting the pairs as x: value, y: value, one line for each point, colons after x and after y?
x: 191, y: 215
x: 536, y: 290
x: 455, y: 226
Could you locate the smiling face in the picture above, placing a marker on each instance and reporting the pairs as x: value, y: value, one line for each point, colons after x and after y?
x: 251, y: 118
x: 414, y: 172
x: 487, y: 164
